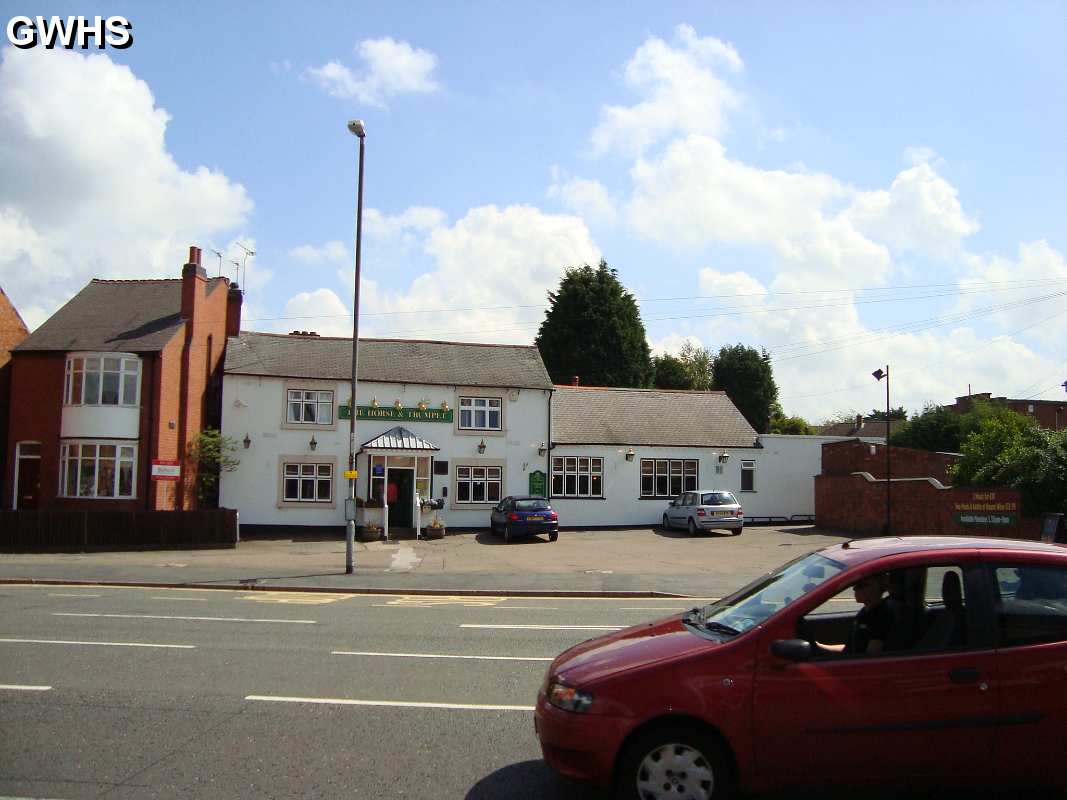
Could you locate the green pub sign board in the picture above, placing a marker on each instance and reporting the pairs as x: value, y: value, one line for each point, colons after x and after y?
x: 538, y: 486
x: 391, y: 413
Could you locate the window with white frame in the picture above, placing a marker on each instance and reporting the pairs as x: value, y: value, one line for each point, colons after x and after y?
x: 479, y: 413
x: 307, y: 483
x: 668, y: 477
x: 310, y: 407
x: 748, y: 476
x: 577, y: 476
x: 478, y: 484
x: 102, y: 381
x: 97, y: 469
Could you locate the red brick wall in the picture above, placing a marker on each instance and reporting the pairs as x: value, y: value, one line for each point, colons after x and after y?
x: 844, y: 458
x: 36, y: 415
x: 851, y: 503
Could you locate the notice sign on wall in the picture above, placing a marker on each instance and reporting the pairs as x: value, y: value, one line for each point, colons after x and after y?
x: 986, y: 508
x: 165, y: 470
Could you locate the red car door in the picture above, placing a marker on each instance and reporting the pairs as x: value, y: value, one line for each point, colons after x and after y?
x: 1031, y: 609
x: 882, y: 718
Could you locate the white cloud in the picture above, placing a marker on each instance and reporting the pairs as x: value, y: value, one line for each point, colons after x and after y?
x: 320, y: 310
x: 921, y: 211
x: 683, y: 94
x: 921, y: 154
x: 583, y: 196
x: 494, y: 267
x: 390, y: 68
x: 89, y: 194
x: 328, y: 252
x: 416, y: 219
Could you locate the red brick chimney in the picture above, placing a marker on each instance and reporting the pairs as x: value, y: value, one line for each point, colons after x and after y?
x: 194, y: 279
x: 234, y: 301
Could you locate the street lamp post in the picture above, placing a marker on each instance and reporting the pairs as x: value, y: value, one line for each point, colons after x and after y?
x: 879, y: 374
x: 356, y: 127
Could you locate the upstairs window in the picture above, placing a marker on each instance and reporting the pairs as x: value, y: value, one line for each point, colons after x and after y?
x: 102, y: 381
x: 479, y: 413
x: 310, y: 407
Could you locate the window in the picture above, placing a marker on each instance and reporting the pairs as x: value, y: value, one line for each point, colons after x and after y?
x: 310, y: 407
x: 662, y: 477
x: 478, y: 484
x: 1031, y: 604
x: 748, y: 476
x: 101, y: 381
x: 479, y: 413
x: 97, y: 470
x: 308, y: 483
x: 577, y: 476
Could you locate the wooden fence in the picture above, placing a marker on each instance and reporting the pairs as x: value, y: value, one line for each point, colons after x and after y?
x: 78, y: 531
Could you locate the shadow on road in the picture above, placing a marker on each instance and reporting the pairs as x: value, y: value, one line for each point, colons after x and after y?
x: 485, y: 537
x: 530, y: 780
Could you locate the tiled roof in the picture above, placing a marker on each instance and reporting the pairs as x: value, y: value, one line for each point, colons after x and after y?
x: 387, y: 360
x: 399, y: 438
x: 866, y: 427
x: 648, y: 417
x: 123, y: 316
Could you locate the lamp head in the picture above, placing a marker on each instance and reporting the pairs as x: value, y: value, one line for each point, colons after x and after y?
x: 879, y: 374
x: 356, y: 126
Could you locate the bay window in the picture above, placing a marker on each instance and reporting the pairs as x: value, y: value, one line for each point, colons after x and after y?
x: 101, y: 380
x: 98, y: 470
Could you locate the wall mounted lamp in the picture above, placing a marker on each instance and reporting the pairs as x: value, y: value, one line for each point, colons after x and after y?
x: 247, y: 441
x: 724, y: 457
x: 481, y: 446
x: 313, y: 444
x: 397, y: 404
x: 374, y: 403
x: 444, y: 405
x: 542, y: 449
x: 630, y: 454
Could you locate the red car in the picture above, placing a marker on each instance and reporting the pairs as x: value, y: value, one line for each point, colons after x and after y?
x: 955, y: 674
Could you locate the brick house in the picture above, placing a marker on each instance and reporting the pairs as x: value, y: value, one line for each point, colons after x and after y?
x: 1048, y: 414
x: 126, y: 372
x: 12, y: 331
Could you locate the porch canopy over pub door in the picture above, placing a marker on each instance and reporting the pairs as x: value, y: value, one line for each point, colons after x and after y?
x: 402, y: 460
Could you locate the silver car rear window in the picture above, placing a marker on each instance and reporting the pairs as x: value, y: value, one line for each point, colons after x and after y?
x: 717, y: 499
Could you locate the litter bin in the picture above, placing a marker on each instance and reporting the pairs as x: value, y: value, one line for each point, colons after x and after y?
x: 1052, y: 528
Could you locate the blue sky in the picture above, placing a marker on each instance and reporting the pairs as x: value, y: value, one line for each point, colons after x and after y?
x: 845, y: 186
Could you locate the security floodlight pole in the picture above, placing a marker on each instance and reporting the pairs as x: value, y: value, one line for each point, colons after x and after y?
x: 357, y: 128
x: 879, y: 374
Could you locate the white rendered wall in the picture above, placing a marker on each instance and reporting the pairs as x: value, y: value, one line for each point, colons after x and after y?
x: 101, y: 422
x: 257, y: 406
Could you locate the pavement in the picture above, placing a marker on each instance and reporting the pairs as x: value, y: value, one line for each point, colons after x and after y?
x: 637, y: 562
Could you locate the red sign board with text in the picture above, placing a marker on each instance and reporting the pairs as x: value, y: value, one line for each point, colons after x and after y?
x: 165, y: 470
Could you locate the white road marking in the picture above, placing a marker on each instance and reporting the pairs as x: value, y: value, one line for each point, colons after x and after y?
x: 102, y: 644
x: 551, y: 627
x: 538, y: 608
x: 340, y: 701
x: 296, y: 598
x: 437, y: 655
x: 56, y: 594
x: 426, y: 601
x: 194, y: 599
x: 651, y: 608
x: 195, y: 619
x: 14, y: 687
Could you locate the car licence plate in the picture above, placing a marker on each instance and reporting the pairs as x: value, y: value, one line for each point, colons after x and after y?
x: 535, y: 519
x: 724, y: 513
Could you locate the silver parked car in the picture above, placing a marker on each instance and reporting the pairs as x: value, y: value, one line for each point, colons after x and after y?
x: 705, y: 510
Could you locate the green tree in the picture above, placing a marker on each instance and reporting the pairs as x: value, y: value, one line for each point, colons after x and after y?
x: 212, y: 454
x: 1008, y: 449
x: 745, y: 374
x: 670, y: 373
x: 894, y: 413
x: 593, y: 329
x: 793, y: 426
x: 936, y: 429
x: 699, y: 365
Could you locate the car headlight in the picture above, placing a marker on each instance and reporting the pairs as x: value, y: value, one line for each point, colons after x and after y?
x: 568, y: 697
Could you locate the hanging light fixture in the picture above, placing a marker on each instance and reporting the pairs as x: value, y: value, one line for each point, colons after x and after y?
x: 313, y: 444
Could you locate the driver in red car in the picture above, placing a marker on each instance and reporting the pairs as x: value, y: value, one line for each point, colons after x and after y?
x: 870, y: 628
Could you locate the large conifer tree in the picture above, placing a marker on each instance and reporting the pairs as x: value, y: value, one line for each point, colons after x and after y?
x: 745, y: 375
x: 593, y: 329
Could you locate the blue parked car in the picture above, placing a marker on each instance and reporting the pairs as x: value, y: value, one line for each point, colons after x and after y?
x: 524, y: 516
